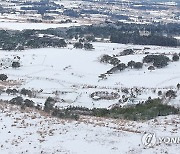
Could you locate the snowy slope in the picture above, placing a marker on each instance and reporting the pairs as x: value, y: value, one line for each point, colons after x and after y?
x: 35, y: 132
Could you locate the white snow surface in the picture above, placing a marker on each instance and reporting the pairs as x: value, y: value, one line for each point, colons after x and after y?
x: 32, y: 131
x: 22, y: 26
x: 76, y: 71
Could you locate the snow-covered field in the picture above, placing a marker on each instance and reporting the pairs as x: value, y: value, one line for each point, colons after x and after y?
x: 22, y: 26
x: 71, y: 76
x: 76, y: 71
x: 34, y: 132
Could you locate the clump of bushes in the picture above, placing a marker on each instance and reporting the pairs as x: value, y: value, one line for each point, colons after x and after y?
x: 150, y: 109
x: 26, y: 92
x: 158, y: 61
x: 126, y: 52
x: 3, y: 77
x: 65, y: 114
x: 28, y: 103
x: 175, y: 57
x: 16, y: 101
x: 16, y: 65
x: 171, y: 94
x: 21, y: 102
x: 109, y: 60
x: 118, y: 68
x: 11, y: 91
x: 86, y: 46
x: 136, y: 65
x: 49, y: 107
x: 49, y: 104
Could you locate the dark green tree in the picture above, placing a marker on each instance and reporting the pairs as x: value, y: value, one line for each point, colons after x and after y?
x: 88, y: 46
x: 15, y: 64
x: 175, y: 57
x: 138, y: 65
x: 3, y: 77
x: 131, y: 64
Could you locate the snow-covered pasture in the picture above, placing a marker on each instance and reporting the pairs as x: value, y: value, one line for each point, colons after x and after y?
x: 23, y: 25
x: 76, y: 71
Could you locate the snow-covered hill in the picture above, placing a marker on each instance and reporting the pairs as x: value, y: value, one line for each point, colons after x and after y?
x: 33, y: 131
